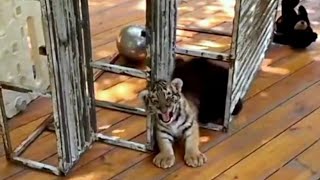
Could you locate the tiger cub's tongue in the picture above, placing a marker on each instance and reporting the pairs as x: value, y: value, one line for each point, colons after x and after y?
x: 167, y: 116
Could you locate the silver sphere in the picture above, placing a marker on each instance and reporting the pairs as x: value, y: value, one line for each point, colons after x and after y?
x: 131, y: 43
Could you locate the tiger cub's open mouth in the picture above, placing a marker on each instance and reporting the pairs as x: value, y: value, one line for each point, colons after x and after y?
x: 166, y: 117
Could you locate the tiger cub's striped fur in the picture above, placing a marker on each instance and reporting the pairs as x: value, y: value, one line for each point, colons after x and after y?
x: 177, y: 119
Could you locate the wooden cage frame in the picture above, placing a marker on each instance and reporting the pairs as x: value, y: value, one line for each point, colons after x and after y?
x: 68, y: 45
x: 248, y: 16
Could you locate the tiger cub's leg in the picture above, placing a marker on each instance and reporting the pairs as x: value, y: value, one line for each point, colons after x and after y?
x: 193, y: 157
x: 165, y: 158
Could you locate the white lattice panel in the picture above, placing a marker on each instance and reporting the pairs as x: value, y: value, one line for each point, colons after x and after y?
x: 256, y: 22
x: 21, y: 35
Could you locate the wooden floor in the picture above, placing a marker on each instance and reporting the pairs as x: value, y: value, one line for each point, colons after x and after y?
x: 276, y: 136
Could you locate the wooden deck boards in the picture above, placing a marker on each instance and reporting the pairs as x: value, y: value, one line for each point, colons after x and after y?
x: 276, y: 135
x: 107, y: 22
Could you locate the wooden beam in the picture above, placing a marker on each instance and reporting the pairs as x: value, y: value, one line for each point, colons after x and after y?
x: 161, y: 39
x: 68, y: 44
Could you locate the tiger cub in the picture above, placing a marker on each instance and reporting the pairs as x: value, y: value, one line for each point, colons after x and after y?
x: 177, y: 119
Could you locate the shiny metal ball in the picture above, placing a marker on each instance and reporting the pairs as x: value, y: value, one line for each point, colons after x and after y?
x: 131, y: 43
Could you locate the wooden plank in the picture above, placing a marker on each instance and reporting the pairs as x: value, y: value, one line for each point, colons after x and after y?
x: 105, y: 167
x: 109, y: 80
x: 20, y: 133
x: 104, y: 50
x: 198, y: 42
x: 135, y: 10
x: 7, y: 168
x: 98, y: 6
x: 256, y: 102
x: 125, y: 14
x: 32, y: 112
x: 272, y: 72
x: 127, y: 159
x: 124, y: 93
x: 276, y: 153
x: 251, y: 138
x: 105, y: 117
x: 118, y: 160
x: 110, y: 34
x: 248, y: 115
x: 304, y: 167
x: 23, y: 120
x: 280, y: 92
x: 133, y: 126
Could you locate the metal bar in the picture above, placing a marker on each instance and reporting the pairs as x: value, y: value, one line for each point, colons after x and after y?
x: 142, y: 112
x: 121, y: 107
x: 120, y: 69
x: 211, y: 126
x: 33, y: 136
x: 13, y: 87
x: 206, y: 31
x: 82, y: 127
x: 90, y: 96
x: 37, y: 165
x: 228, y: 110
x: 114, y: 58
x: 161, y: 22
x: 5, y: 128
x: 235, y: 30
x: 203, y: 53
x: 122, y: 143
x: 18, y: 88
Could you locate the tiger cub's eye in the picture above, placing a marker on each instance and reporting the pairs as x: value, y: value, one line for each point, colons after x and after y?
x: 176, y: 98
x: 154, y: 101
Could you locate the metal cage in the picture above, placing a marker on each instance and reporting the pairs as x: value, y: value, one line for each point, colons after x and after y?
x: 68, y: 45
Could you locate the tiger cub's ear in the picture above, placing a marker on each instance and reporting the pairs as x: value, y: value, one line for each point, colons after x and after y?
x: 177, y: 83
x: 143, y: 95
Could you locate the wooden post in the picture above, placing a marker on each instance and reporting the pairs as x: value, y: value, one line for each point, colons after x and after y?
x: 161, y: 39
x: 69, y: 51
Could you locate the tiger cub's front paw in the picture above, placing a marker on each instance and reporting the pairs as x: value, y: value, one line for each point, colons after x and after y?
x: 164, y: 160
x: 195, y: 159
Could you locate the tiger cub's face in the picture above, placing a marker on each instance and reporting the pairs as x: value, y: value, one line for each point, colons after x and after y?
x: 162, y: 98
